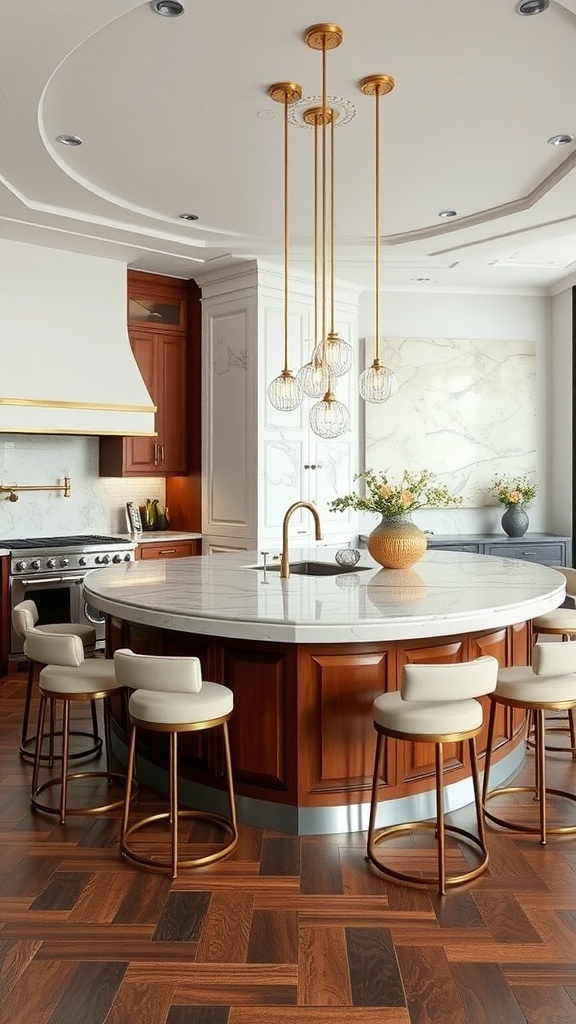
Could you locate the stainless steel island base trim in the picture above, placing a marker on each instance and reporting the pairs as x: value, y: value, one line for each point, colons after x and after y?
x: 309, y: 821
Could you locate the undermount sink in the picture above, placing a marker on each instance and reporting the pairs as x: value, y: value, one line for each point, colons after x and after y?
x: 314, y: 568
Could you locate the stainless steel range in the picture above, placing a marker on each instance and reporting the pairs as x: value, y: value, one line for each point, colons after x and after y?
x: 51, y: 571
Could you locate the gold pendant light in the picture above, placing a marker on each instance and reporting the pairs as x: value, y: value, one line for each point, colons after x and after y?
x: 285, y: 391
x: 329, y: 418
x: 378, y: 383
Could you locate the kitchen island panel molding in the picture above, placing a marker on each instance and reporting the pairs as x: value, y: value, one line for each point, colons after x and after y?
x: 301, y: 733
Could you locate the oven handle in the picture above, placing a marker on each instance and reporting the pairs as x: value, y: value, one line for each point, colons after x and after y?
x: 51, y: 579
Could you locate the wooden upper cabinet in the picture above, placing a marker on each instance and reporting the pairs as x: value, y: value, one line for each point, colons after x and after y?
x: 157, y: 327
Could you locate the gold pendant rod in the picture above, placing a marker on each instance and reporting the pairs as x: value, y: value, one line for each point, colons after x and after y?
x: 286, y: 93
x: 377, y: 86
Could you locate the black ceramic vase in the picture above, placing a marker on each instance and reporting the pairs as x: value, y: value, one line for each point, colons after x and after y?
x: 515, y: 521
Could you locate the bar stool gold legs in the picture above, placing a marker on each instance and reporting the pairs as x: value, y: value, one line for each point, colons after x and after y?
x: 539, y: 790
x: 438, y: 825
x: 65, y: 777
x: 169, y: 696
x: 175, y: 815
x: 436, y: 704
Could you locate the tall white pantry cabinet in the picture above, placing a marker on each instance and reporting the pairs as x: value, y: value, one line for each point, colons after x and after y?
x: 257, y: 461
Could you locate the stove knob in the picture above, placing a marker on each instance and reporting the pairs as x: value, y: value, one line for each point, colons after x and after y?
x: 51, y: 563
x: 104, y: 559
x: 128, y: 558
x: 21, y: 565
x: 64, y: 562
x: 117, y: 558
x: 82, y: 560
x: 35, y: 563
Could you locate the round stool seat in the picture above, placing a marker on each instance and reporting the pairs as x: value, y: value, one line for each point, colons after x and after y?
x: 560, y: 620
x: 86, y: 632
x: 213, y: 701
x: 426, y: 718
x: 521, y: 685
x: 97, y: 678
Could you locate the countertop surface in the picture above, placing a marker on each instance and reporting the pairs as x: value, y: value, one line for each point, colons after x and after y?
x: 222, y: 595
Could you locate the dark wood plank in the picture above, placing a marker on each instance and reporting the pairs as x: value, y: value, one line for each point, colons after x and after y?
x: 486, y: 996
x: 273, y: 937
x: 182, y: 917
x: 374, y: 975
x: 431, y: 994
x: 280, y: 856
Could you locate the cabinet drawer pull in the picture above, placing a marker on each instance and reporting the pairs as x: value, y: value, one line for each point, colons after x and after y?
x: 167, y: 551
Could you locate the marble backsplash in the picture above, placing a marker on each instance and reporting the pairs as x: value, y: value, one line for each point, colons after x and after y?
x: 96, y: 504
x: 465, y: 409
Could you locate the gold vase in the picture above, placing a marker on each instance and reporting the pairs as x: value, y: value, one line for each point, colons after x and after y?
x: 396, y: 543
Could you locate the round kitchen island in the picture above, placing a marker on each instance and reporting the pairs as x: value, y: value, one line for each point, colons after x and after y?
x: 305, y: 658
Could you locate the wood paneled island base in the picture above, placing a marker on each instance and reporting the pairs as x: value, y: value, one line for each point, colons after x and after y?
x: 301, y: 733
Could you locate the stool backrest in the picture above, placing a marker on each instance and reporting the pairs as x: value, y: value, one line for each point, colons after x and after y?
x: 455, y: 681
x: 24, y: 617
x: 554, y: 659
x: 54, y: 648
x: 157, y: 672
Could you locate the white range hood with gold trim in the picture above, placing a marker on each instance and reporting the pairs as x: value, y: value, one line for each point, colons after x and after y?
x: 66, y: 365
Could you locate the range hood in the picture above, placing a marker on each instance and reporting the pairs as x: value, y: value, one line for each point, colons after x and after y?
x: 66, y: 365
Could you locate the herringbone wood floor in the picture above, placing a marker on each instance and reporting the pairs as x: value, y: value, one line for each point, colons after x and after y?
x: 288, y: 930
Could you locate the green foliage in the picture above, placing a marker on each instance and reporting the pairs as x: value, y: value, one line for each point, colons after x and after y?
x: 517, y: 490
x: 415, y: 490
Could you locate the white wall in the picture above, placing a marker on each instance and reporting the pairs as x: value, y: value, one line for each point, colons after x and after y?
x: 479, y: 316
x: 559, y: 416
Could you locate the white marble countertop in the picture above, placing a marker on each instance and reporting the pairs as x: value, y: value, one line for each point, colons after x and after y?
x: 220, y: 595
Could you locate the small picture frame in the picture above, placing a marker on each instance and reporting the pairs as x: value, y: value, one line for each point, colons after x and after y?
x: 133, y: 517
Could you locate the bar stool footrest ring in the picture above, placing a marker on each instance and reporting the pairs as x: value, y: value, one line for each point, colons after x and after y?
x: 94, y: 751
x: 449, y: 830
x: 163, y: 862
x: 530, y: 829
x: 98, y: 809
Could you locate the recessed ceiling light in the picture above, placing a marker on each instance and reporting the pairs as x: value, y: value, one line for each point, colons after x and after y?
x: 560, y: 140
x: 266, y: 115
x: 188, y: 216
x: 167, y: 8
x: 69, y: 140
x: 532, y: 6
x: 447, y: 213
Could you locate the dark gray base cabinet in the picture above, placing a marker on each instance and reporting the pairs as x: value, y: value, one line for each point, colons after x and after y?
x: 545, y: 548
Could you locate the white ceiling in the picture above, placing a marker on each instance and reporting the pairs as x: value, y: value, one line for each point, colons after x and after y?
x: 175, y: 117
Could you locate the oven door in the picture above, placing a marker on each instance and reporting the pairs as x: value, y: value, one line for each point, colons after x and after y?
x: 58, y: 599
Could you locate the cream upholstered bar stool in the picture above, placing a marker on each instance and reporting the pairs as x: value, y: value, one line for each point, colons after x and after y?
x: 561, y: 622
x: 170, y: 696
x: 549, y: 684
x: 435, y: 704
x: 68, y: 678
x: 24, y: 617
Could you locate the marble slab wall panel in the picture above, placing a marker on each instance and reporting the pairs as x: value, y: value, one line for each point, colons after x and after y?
x: 96, y: 504
x: 464, y: 409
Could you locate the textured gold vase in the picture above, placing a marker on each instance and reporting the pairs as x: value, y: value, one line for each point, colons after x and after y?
x: 396, y: 543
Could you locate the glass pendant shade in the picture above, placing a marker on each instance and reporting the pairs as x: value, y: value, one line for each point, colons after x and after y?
x: 336, y: 353
x: 285, y: 392
x: 314, y: 379
x: 378, y: 383
x: 329, y: 418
